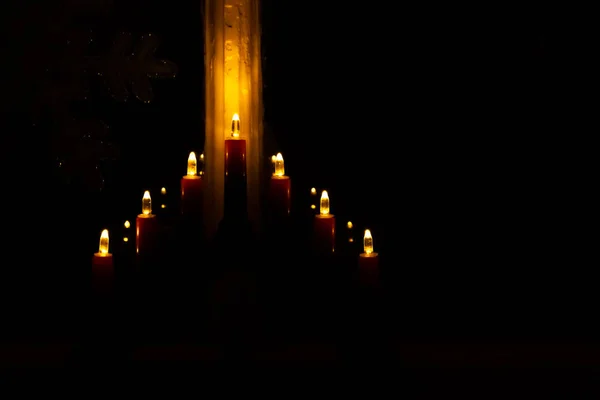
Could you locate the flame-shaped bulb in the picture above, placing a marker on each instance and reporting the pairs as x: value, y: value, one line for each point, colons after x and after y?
x: 235, y: 126
x: 192, y: 165
x: 146, y: 203
x: 279, y: 168
x: 103, y: 247
x: 324, y: 203
x: 368, y: 242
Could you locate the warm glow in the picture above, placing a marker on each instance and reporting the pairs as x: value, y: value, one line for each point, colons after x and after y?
x: 349, y: 225
x: 163, y: 206
x: 235, y: 126
x: 192, y: 167
x: 127, y: 224
x: 279, y: 169
x: 163, y: 191
x: 146, y: 203
x: 126, y: 239
x: 313, y: 206
x: 324, y: 203
x: 368, y: 242
x: 313, y: 191
x: 103, y: 248
x: 201, y: 172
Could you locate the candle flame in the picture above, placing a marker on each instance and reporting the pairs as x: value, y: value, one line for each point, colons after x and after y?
x: 146, y: 203
x: 368, y: 242
x: 192, y: 165
x: 313, y: 191
x: 235, y: 126
x: 324, y: 203
x: 127, y: 224
x: 279, y: 168
x: 103, y: 247
x: 163, y: 191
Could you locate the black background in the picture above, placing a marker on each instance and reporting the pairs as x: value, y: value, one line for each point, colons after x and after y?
x: 434, y: 126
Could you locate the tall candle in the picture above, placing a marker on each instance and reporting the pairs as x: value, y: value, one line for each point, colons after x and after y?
x: 146, y: 228
x: 368, y: 262
x: 191, y: 188
x: 235, y: 195
x: 103, y: 270
x: 235, y: 151
x: 324, y: 227
x: 279, y: 191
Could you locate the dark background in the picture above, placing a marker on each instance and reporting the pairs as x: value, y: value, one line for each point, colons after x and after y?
x: 434, y: 126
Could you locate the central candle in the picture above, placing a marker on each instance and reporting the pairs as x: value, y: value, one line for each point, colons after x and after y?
x: 235, y: 151
x: 103, y: 270
x: 279, y: 191
x: 146, y: 228
x: 235, y: 193
x: 191, y: 189
x: 324, y: 227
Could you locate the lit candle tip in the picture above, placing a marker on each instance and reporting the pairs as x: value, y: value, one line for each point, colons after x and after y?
x: 192, y: 165
x: 103, y: 247
x: 147, y: 203
x: 368, y: 242
x: 324, y: 203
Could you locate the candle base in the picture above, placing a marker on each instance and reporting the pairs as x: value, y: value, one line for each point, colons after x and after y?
x: 146, y: 236
x: 324, y: 234
x: 103, y: 274
x: 368, y: 269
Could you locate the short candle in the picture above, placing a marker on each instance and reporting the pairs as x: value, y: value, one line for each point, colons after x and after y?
x: 279, y: 190
x: 191, y: 188
x: 324, y: 227
x: 102, y: 266
x: 146, y: 227
x: 368, y: 261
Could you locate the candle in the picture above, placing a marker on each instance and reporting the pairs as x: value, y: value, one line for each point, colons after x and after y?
x: 324, y: 227
x: 279, y: 190
x: 235, y: 151
x: 368, y: 262
x: 191, y: 188
x: 146, y: 227
x: 235, y: 195
x: 103, y: 270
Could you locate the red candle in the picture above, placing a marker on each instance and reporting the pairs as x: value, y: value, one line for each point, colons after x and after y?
x: 279, y: 190
x: 368, y: 262
x: 146, y: 227
x: 191, y: 188
x: 324, y: 227
x: 235, y: 151
x: 103, y: 270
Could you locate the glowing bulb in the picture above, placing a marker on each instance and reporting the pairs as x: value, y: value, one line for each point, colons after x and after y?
x: 163, y: 206
x: 103, y: 248
x: 313, y: 191
x: 324, y: 203
x: 201, y: 172
x: 349, y: 225
x: 146, y: 203
x: 279, y: 169
x: 126, y: 239
x: 192, y: 164
x: 273, y: 159
x: 235, y: 126
x: 127, y: 224
x: 368, y: 242
x: 313, y: 206
x: 163, y: 191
